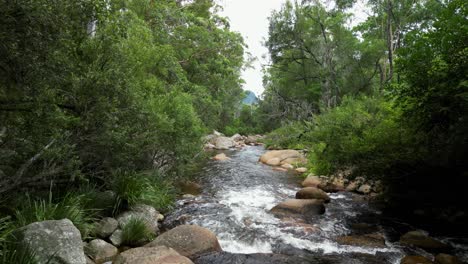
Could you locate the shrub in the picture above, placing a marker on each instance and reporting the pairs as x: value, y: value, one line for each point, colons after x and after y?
x: 150, y: 189
x: 136, y: 232
x: 288, y: 136
x: 363, y: 133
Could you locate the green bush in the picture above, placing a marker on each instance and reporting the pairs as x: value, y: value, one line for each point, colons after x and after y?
x: 362, y: 133
x: 288, y: 136
x: 150, y: 189
x: 136, y: 232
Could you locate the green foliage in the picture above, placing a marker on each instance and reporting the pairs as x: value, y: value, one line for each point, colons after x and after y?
x: 137, y: 188
x: 71, y: 207
x: 14, y: 253
x: 287, y: 136
x: 136, y: 232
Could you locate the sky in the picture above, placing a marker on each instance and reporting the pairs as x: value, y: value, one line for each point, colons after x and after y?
x: 250, y: 18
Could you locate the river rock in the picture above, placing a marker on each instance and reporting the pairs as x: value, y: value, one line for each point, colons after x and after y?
x: 280, y: 169
x: 364, y: 189
x: 330, y: 187
x: 237, y: 137
x: 280, y: 155
x: 190, y: 187
x: 301, y: 170
x: 421, y: 240
x: 116, y: 238
x: 209, y: 146
x: 252, y: 139
x: 144, y: 212
x: 287, y: 166
x: 312, y: 193
x: 100, y: 251
x: 302, y: 207
x: 294, y: 161
x: 151, y: 255
x: 369, y: 240
x: 416, y: 260
x: 224, y: 143
x: 53, y: 241
x: 105, y: 227
x: 221, y: 157
x: 188, y: 240
x: 447, y: 259
x: 352, y: 186
x: 311, y: 181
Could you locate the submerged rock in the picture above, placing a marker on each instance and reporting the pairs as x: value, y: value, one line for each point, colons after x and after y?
x: 312, y: 193
x: 54, y: 241
x: 421, y: 240
x: 301, y: 207
x: 370, y: 240
x: 188, y: 240
x: 416, y: 260
x: 151, y: 255
x: 221, y: 157
x: 447, y: 259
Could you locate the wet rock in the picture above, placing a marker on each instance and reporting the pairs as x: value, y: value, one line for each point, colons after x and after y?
x: 275, y: 157
x: 224, y: 143
x: 189, y: 187
x: 105, y: 227
x: 188, y: 196
x: 188, y: 240
x: 301, y: 207
x: 280, y: 169
x: 311, y: 181
x: 416, y: 260
x: 301, y: 170
x: 54, y: 241
x: 151, y: 255
x: 421, y: 240
x: 116, y: 238
x: 363, y: 228
x: 330, y: 187
x: 370, y: 240
x: 100, y: 251
x: 221, y: 157
x: 312, y: 193
x: 364, y: 189
x: 447, y: 259
x: 144, y: 212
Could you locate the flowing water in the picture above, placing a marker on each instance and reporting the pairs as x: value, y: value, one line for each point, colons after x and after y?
x: 235, y: 204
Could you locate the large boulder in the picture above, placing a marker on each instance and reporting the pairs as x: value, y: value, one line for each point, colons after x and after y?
x: 105, y: 227
x: 311, y: 181
x: 144, y: 212
x: 416, y: 260
x: 151, y: 255
x: 252, y: 139
x: 100, y: 251
x: 299, y: 207
x: 421, y: 240
x: 312, y: 193
x: 369, y: 240
x: 224, y: 143
x: 54, y: 241
x: 237, y: 137
x: 188, y: 240
x: 447, y: 259
x: 279, y: 156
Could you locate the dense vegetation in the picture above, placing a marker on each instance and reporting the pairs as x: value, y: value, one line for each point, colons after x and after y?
x: 386, y: 99
x: 97, y: 93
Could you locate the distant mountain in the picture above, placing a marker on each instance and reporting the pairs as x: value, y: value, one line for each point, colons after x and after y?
x: 250, y: 98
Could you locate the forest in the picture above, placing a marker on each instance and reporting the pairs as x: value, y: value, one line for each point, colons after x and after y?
x: 99, y: 96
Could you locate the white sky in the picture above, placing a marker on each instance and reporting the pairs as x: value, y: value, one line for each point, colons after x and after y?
x: 250, y: 18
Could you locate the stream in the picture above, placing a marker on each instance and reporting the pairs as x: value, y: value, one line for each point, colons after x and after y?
x: 235, y: 203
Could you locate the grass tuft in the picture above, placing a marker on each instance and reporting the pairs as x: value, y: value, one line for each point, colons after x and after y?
x: 136, y: 233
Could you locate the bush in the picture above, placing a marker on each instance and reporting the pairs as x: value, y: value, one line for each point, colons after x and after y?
x: 137, y: 188
x: 363, y: 133
x: 136, y: 232
x: 288, y: 136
